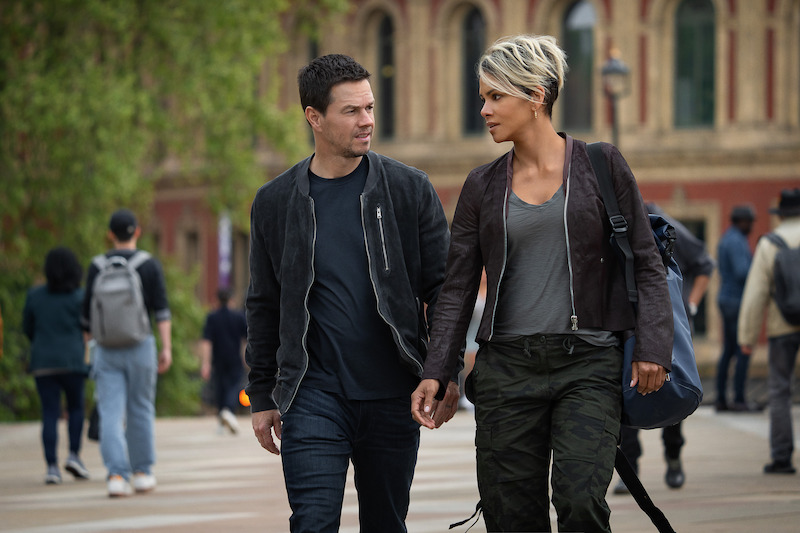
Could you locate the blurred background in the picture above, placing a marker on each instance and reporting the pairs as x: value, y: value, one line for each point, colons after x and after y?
x: 181, y: 110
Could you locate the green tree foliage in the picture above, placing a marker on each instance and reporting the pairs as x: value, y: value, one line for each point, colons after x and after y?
x: 98, y: 102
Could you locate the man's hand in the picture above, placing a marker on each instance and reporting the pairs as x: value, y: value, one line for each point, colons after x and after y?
x: 649, y: 376
x: 746, y: 349
x: 264, y: 423
x: 164, y: 360
x: 429, y: 411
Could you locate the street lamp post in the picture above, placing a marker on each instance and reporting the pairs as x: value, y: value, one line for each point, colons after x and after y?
x: 616, y: 84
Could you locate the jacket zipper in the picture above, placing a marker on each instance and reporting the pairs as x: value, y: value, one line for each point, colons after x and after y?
x: 379, y: 214
x: 505, y: 259
x: 574, y: 317
x: 395, y: 332
x: 305, y: 303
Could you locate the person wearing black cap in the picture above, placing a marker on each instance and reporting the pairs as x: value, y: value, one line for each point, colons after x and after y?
x: 733, y: 257
x: 783, y: 337
x: 126, y: 376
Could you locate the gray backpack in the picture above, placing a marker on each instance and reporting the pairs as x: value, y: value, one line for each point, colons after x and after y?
x: 119, y: 316
x: 787, y: 279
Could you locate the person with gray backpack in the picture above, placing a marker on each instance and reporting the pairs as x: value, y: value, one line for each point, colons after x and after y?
x: 766, y: 287
x: 124, y: 288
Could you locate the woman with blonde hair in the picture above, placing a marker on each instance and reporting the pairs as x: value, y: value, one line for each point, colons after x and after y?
x: 546, y: 381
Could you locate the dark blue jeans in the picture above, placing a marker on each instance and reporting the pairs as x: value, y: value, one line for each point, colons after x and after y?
x: 49, y: 388
x: 730, y: 349
x: 322, y: 433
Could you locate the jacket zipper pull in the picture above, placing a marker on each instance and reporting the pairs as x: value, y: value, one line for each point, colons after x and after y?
x: 380, y: 216
x: 574, y: 319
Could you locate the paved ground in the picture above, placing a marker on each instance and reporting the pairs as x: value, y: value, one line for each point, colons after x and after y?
x: 211, y: 482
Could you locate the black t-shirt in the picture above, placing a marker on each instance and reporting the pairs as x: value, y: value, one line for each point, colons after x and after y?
x: 350, y: 346
x: 226, y: 329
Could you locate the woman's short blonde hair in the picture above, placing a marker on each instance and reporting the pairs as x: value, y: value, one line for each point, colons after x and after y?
x: 531, y: 67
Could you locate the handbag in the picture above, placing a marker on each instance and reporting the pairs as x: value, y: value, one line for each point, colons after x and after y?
x: 682, y: 393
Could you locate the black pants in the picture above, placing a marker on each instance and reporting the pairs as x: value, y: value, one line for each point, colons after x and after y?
x: 671, y: 435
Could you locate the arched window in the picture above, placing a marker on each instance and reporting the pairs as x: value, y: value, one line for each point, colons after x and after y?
x: 694, y: 64
x: 473, y: 42
x: 578, y: 43
x: 386, y: 71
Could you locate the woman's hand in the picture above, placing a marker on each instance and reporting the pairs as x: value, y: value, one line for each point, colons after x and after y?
x: 649, y: 376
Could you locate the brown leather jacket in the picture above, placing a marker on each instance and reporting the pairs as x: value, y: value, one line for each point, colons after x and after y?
x: 597, y: 284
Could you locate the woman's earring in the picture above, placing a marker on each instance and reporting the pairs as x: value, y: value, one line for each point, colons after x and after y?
x: 535, y: 114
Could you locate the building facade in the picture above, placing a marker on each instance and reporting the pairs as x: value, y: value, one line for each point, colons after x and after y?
x: 709, y: 116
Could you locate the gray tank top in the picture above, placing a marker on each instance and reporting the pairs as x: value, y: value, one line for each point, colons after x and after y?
x: 534, y: 292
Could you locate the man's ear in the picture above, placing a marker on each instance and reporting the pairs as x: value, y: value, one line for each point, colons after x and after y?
x: 313, y: 117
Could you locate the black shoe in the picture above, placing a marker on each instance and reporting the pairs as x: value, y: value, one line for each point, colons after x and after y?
x: 779, y: 467
x: 720, y: 406
x: 674, y: 476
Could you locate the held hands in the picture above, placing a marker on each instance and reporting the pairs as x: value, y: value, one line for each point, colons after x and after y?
x: 264, y: 423
x: 649, y: 376
x: 427, y: 410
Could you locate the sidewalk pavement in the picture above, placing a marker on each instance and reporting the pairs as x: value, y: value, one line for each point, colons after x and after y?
x: 214, y: 482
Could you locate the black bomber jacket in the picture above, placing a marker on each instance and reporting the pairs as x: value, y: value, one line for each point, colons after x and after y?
x: 597, y: 285
x: 406, y: 237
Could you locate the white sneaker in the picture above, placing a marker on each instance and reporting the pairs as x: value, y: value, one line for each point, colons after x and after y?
x: 118, y: 487
x: 143, y: 482
x: 229, y: 420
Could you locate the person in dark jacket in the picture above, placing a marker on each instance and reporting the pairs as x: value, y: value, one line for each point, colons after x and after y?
x: 51, y: 320
x: 347, y: 256
x: 547, y: 377
x: 224, y: 335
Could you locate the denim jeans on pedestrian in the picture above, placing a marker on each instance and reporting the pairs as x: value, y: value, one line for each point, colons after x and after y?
x: 125, y: 392
x: 782, y: 358
x: 322, y: 433
x: 49, y: 388
x: 730, y: 350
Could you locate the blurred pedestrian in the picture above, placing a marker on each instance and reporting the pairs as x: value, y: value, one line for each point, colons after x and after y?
x: 546, y: 380
x: 126, y: 374
x: 222, y: 355
x: 783, y: 337
x: 696, y: 267
x: 51, y: 320
x: 733, y: 257
x: 347, y: 256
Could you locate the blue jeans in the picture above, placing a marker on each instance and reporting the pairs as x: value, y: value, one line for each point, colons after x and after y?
x: 125, y: 393
x: 49, y: 388
x: 322, y: 433
x: 782, y: 358
x: 730, y: 350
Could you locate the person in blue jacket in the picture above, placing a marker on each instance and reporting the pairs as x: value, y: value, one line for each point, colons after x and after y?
x: 51, y: 320
x: 734, y: 257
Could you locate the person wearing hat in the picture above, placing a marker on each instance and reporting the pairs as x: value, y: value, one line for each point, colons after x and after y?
x: 733, y: 259
x: 126, y: 377
x: 783, y: 337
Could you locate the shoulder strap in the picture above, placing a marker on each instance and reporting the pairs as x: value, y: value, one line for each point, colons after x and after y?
x: 100, y: 261
x: 631, y: 480
x: 137, y: 259
x: 618, y: 223
x: 776, y: 239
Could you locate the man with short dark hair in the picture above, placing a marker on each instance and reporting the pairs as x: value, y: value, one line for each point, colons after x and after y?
x: 347, y: 256
x: 126, y: 376
x: 224, y: 335
x: 783, y: 337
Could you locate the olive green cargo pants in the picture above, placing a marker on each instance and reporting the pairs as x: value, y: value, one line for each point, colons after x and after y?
x: 535, y: 396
